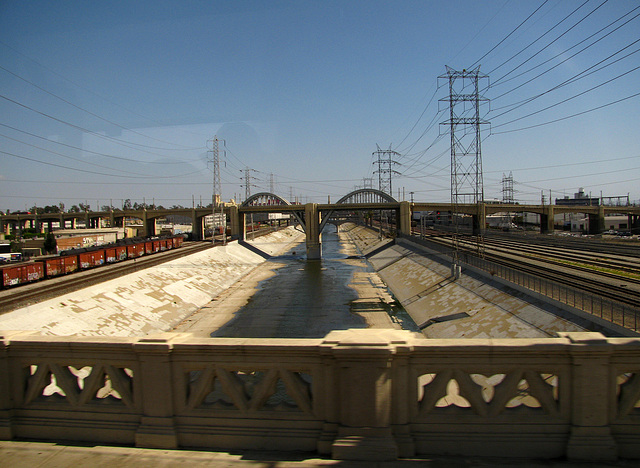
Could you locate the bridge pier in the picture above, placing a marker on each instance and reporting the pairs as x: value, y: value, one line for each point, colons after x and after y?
x: 546, y: 220
x: 196, y: 226
x: 479, y: 220
x: 403, y: 216
x: 237, y: 223
x: 596, y: 221
x: 312, y: 230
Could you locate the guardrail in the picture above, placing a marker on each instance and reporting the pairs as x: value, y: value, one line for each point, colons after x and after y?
x: 606, y: 309
x: 362, y: 394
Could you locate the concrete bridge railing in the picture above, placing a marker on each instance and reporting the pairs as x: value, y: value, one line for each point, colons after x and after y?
x: 356, y: 394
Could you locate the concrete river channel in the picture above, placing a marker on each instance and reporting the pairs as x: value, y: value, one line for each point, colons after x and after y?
x: 297, y: 298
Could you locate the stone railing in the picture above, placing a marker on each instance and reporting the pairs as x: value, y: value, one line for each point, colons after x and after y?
x: 356, y: 394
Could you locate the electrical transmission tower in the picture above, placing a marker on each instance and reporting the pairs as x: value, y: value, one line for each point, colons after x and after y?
x: 464, y: 127
x: 218, y: 220
x: 385, y: 170
x: 507, y: 189
x: 213, y: 157
x: 272, y: 185
x: 247, y: 182
x: 466, y: 156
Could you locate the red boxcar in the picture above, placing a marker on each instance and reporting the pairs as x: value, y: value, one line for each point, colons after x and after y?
x: 157, y: 244
x: 91, y: 259
x: 110, y: 255
x: 56, y: 266
x: 135, y: 250
x: 13, y: 275
x: 177, y: 241
x: 121, y: 252
x: 148, y: 247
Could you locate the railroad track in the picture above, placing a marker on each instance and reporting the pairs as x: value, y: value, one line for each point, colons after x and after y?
x: 518, y: 257
x: 21, y: 296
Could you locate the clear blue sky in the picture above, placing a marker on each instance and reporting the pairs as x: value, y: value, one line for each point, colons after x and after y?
x: 104, y: 101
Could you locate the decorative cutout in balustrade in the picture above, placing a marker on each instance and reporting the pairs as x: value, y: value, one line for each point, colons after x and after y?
x: 628, y: 392
x: 488, y: 396
x: 104, y: 385
x: 268, y: 390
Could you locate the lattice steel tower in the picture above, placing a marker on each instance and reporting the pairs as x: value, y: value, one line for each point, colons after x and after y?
x: 385, y: 170
x: 507, y: 189
x: 214, y: 159
x: 464, y: 127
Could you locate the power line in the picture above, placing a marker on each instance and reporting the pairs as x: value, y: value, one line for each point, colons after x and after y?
x: 508, y: 35
x: 98, y: 116
x: 568, y: 99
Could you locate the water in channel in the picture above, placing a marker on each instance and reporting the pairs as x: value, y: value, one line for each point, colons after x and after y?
x: 308, y: 299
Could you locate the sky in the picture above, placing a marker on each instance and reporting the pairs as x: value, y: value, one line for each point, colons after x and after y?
x: 106, y: 101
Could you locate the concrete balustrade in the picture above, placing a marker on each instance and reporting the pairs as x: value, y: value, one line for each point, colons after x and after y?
x: 365, y: 394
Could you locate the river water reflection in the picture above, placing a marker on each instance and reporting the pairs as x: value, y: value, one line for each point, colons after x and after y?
x: 308, y: 299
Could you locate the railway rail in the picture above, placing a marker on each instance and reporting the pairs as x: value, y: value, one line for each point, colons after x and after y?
x: 11, y: 299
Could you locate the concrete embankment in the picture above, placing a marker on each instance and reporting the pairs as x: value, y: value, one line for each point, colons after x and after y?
x: 470, y: 306
x: 152, y: 300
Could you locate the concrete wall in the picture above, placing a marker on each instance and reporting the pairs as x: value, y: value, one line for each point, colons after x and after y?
x: 356, y: 394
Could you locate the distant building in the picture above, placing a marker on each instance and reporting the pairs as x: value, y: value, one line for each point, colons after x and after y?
x: 579, y: 199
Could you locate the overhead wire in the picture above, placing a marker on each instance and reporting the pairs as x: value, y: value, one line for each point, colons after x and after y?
x: 93, y: 114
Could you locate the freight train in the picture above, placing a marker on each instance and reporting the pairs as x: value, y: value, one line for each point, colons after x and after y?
x: 70, y: 261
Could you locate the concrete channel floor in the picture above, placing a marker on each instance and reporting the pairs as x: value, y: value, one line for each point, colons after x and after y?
x: 34, y: 454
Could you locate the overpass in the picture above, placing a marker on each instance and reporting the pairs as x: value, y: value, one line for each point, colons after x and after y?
x: 313, y: 216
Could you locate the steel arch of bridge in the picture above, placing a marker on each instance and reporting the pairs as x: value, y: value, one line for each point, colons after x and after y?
x: 364, y: 195
x: 371, y: 193
x: 271, y: 199
x: 264, y: 198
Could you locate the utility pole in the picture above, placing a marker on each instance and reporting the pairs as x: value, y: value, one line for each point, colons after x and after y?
x: 466, y: 156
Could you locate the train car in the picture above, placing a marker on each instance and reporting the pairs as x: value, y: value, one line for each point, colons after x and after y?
x: 56, y: 266
x: 110, y: 254
x: 135, y: 250
x: 157, y: 244
x: 177, y: 241
x: 148, y: 247
x: 13, y: 275
x: 91, y: 258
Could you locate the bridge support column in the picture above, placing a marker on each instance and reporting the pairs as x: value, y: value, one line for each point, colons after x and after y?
x: 404, y: 218
x: 479, y: 220
x: 237, y: 223
x: 312, y: 229
x: 148, y: 225
x: 196, y: 226
x: 546, y: 220
x: 596, y: 221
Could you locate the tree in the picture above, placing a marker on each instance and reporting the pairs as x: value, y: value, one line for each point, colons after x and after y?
x: 126, y: 205
x: 84, y: 207
x: 74, y: 209
x: 50, y: 245
x: 52, y: 209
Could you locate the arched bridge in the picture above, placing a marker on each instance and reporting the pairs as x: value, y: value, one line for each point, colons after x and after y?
x: 313, y: 217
